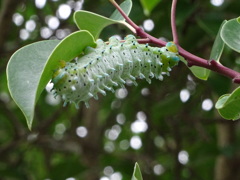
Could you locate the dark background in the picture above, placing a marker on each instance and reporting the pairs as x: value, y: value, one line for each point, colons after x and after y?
x: 179, y: 140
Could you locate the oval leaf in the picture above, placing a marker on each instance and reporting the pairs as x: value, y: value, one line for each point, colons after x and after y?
x: 30, y: 68
x: 95, y: 23
x: 215, y: 55
x: 69, y: 48
x: 23, y: 74
x: 217, y: 49
x: 199, y: 72
x: 218, y: 45
x: 230, y: 34
x: 203, y: 73
x: 126, y: 6
x: 228, y: 105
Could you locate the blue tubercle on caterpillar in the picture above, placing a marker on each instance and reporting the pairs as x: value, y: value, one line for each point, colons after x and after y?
x: 110, y: 65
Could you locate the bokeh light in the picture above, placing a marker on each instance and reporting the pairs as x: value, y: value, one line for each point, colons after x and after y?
x: 51, y: 100
x: 217, y: 2
x: 141, y: 116
x: 52, y: 22
x: 121, y: 93
x: 60, y: 128
x: 159, y: 141
x: 158, y: 169
x: 108, y: 171
x: 30, y: 25
x: 17, y: 19
x: 40, y: 3
x: 184, y: 95
x: 109, y: 147
x: 121, y: 118
x: 139, y: 126
x: 207, y: 105
x: 136, y: 142
x: 59, y: 131
x: 148, y: 25
x: 64, y: 11
x: 81, y: 131
x: 116, y: 104
x: 124, y: 144
x: 113, y: 133
x: 78, y: 5
x: 45, y: 32
x: 104, y: 178
x: 145, y: 92
x: 24, y: 34
x: 116, y: 176
x: 70, y: 178
x: 62, y: 33
x: 183, y: 157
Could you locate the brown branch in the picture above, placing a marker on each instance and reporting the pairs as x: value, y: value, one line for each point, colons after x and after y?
x: 173, y: 22
x: 192, y: 59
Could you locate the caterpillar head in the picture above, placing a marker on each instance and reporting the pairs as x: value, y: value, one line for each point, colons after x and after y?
x: 172, y: 47
x: 172, y: 55
x: 169, y: 55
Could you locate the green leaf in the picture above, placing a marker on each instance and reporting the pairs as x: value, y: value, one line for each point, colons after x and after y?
x: 126, y: 6
x: 228, y: 105
x: 137, y: 175
x: 148, y: 6
x: 69, y: 48
x: 30, y: 69
x: 92, y: 22
x: 23, y: 74
x: 238, y: 19
x: 216, y: 53
x: 218, y: 45
x: 230, y: 34
x: 203, y: 73
x: 199, y: 72
x: 95, y: 23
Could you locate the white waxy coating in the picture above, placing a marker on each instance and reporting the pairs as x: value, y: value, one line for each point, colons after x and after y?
x: 109, y: 65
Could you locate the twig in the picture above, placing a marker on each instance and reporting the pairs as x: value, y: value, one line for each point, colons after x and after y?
x: 212, y: 65
x: 192, y: 59
x: 139, y: 30
x: 173, y: 22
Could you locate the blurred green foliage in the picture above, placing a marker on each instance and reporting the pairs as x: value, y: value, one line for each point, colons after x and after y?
x: 182, y: 140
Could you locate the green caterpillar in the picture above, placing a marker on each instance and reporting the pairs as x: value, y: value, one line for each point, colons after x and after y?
x: 109, y: 65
